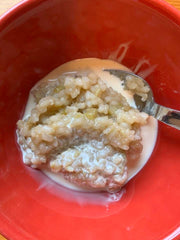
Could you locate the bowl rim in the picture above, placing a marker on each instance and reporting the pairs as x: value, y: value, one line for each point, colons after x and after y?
x: 23, y: 6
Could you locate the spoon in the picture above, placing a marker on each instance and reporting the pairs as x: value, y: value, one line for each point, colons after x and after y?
x: 164, y: 114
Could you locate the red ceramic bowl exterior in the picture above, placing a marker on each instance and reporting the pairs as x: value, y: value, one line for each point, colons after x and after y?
x: 37, y: 36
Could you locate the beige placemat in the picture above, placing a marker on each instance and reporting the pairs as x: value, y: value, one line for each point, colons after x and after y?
x: 6, y: 4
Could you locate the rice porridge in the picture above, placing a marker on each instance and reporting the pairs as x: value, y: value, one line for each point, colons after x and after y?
x: 81, y: 126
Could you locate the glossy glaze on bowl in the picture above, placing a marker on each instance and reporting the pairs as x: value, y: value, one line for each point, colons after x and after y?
x: 41, y: 35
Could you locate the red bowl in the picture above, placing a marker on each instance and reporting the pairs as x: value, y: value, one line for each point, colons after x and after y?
x: 35, y: 37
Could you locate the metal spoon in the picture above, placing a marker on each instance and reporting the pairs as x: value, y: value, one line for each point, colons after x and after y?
x: 166, y: 115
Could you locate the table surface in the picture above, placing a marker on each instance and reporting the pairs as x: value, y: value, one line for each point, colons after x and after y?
x: 6, y: 4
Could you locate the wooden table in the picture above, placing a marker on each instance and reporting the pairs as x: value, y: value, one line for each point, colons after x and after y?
x: 6, y: 4
x: 175, y: 3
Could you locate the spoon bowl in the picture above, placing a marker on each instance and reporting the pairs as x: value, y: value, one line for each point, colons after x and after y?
x: 164, y: 114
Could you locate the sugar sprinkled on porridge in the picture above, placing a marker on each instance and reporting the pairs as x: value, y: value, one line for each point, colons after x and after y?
x: 82, y: 128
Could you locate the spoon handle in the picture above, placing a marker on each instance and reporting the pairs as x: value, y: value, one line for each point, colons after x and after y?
x: 166, y: 115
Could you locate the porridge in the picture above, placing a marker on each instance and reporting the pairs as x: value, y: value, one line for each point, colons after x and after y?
x: 81, y: 128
